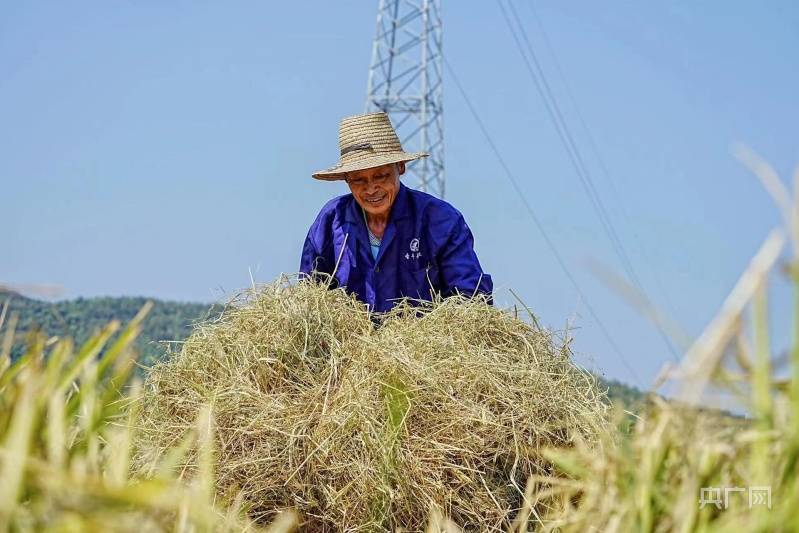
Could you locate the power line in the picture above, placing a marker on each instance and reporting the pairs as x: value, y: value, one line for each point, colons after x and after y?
x: 549, y: 242
x: 595, y: 149
x: 573, y: 152
x: 618, y: 246
x: 555, y: 115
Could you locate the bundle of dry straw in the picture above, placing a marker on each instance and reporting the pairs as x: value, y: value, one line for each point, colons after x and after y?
x: 444, y: 408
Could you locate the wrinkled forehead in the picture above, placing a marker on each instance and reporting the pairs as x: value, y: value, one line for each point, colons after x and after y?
x: 373, y: 172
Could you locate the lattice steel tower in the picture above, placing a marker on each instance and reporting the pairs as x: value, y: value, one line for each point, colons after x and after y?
x: 405, y: 81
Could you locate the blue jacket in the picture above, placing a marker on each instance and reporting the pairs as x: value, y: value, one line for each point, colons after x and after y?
x: 426, y: 245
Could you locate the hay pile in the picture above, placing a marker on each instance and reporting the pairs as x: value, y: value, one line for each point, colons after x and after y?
x: 360, y: 428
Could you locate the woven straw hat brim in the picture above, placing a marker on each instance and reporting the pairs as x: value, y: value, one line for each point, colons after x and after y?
x: 372, y: 160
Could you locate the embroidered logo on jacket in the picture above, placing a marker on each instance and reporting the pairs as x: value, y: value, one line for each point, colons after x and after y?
x: 415, y: 253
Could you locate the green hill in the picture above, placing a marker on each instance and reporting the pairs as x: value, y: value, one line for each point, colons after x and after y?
x: 79, y: 318
x: 167, y: 321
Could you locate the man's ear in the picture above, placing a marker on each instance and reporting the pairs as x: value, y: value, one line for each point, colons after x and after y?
x: 401, y: 168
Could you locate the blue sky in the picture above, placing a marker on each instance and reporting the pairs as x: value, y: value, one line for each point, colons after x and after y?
x: 163, y: 148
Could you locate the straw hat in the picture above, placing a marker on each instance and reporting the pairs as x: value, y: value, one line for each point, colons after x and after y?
x: 366, y: 141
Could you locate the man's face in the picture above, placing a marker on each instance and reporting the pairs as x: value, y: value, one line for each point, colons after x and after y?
x: 376, y: 188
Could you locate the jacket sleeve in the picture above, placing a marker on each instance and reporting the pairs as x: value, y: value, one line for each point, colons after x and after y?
x: 313, y: 256
x: 459, y: 269
x: 309, y: 254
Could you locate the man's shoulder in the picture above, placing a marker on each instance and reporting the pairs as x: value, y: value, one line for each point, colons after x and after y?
x: 334, y: 207
x: 330, y: 217
x: 338, y: 202
x: 433, y: 207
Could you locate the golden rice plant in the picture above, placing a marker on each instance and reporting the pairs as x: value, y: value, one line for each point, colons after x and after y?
x: 66, y: 444
x: 684, y: 468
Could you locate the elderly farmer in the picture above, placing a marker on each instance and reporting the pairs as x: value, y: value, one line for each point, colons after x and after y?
x: 385, y: 241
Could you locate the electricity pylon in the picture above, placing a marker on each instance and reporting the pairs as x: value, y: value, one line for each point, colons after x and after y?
x: 405, y: 81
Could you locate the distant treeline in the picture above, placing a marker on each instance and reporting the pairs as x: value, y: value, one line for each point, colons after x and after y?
x: 167, y: 321
x: 79, y: 318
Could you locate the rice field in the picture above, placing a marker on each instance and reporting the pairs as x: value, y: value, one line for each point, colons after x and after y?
x: 293, y: 412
